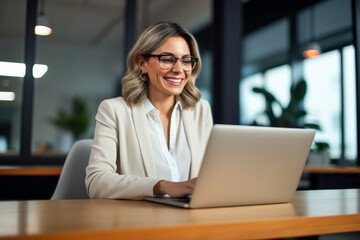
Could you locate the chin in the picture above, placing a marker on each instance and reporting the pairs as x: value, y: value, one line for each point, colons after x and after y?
x: 177, y: 92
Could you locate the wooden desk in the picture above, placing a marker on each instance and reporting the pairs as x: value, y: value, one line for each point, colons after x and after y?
x: 30, y: 171
x: 331, y: 177
x: 310, y: 213
x: 56, y: 170
x: 28, y: 182
x: 332, y: 169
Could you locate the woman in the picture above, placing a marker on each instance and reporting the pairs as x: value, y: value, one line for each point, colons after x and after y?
x: 151, y: 141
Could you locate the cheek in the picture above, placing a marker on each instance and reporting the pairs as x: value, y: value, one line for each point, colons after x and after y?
x: 159, y: 72
x: 155, y: 73
x: 188, y: 75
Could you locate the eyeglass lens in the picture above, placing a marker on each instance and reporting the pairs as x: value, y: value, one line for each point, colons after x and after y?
x: 167, y: 62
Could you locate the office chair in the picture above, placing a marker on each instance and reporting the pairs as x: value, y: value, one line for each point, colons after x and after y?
x: 71, y: 184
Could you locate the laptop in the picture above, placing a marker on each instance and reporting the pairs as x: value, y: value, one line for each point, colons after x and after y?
x: 248, y: 165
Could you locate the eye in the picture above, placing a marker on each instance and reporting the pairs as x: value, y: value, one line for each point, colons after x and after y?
x: 186, y: 61
x: 167, y: 59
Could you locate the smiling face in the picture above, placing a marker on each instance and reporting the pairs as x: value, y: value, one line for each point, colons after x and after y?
x: 166, y: 83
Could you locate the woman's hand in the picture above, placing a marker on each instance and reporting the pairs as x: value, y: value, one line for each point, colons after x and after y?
x: 175, y: 189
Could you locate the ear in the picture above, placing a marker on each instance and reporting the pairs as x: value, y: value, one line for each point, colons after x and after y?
x: 142, y: 63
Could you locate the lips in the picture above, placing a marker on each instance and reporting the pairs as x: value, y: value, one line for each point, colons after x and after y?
x: 174, y: 81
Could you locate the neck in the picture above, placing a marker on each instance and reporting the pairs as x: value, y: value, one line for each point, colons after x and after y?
x: 164, y: 104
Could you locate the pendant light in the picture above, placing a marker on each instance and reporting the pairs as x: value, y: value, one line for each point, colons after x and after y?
x: 312, y: 49
x: 42, y: 27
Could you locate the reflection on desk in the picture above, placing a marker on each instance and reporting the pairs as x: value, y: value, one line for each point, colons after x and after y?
x: 310, y: 213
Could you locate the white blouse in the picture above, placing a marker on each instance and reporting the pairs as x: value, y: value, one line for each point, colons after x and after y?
x: 173, y: 163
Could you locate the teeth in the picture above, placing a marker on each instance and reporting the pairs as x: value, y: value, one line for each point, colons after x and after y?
x: 175, y: 80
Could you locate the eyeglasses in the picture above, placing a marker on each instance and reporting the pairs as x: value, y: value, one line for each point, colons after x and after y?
x: 167, y: 62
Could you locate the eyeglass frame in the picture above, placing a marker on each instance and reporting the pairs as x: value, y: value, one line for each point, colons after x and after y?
x: 158, y: 56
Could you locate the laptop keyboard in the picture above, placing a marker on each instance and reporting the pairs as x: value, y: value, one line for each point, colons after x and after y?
x: 181, y: 200
x: 176, y: 199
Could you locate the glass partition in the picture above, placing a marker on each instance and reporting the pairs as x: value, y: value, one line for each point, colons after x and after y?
x: 350, y: 104
x: 323, y: 102
x: 12, y: 71
x: 84, y: 55
x: 276, y: 81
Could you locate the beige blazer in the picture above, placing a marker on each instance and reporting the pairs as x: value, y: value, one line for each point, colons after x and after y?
x: 121, y: 163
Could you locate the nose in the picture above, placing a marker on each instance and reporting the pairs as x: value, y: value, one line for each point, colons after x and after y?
x: 177, y: 67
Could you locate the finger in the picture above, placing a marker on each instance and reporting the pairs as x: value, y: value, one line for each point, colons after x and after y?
x: 193, y: 181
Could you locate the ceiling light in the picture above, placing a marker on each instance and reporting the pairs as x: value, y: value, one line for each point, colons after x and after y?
x: 7, y: 96
x: 12, y: 69
x: 312, y: 48
x: 39, y: 70
x: 42, y: 27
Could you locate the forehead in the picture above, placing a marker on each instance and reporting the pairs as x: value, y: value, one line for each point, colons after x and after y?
x: 174, y: 45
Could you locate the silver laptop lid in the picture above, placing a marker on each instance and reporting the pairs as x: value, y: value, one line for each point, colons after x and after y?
x: 251, y: 165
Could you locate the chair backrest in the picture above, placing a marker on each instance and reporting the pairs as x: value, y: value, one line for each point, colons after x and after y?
x: 71, y: 184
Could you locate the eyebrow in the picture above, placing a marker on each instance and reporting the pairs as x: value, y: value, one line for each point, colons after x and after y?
x: 169, y: 53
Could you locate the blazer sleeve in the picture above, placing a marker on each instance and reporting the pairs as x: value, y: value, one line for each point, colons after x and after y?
x: 103, y: 179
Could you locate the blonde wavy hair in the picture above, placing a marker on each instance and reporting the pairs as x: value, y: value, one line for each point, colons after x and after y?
x: 134, y: 88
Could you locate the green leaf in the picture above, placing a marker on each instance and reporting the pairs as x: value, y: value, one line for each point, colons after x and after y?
x: 77, y: 121
x: 299, y: 91
x: 312, y: 126
x: 321, y: 146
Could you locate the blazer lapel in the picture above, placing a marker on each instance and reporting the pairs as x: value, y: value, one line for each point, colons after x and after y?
x: 193, y: 142
x: 141, y: 128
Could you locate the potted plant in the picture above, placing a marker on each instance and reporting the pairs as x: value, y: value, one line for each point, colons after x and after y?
x: 293, y: 114
x: 319, y: 155
x: 73, y: 124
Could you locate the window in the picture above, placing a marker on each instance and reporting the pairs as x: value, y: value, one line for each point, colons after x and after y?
x: 84, y: 68
x: 322, y: 102
x: 350, y: 104
x: 278, y: 82
x: 11, y: 58
x: 252, y: 105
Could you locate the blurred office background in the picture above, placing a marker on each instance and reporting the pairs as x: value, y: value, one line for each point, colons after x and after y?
x: 83, y: 60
